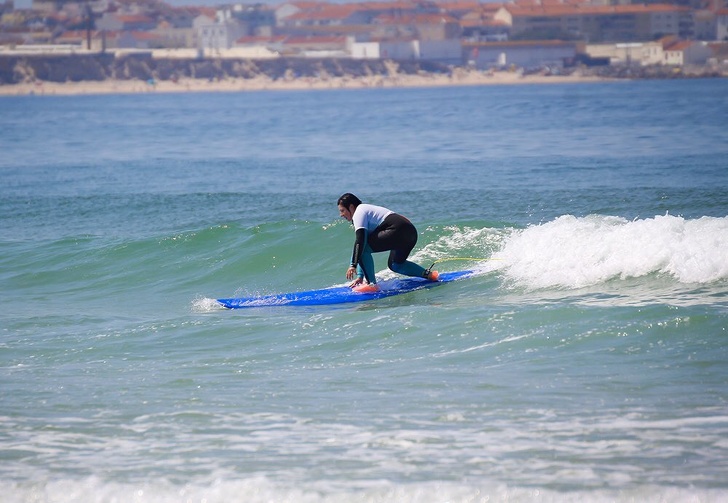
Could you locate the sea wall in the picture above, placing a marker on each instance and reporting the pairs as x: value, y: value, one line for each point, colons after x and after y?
x: 78, y: 68
x: 17, y: 69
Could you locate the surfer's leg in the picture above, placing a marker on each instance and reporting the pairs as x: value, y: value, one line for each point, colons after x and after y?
x: 409, y: 268
x: 400, y: 236
x: 406, y: 267
x: 365, y: 269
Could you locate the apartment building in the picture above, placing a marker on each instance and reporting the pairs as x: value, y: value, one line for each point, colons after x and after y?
x: 618, y: 23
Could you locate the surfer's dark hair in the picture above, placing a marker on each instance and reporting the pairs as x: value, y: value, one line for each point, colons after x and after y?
x: 348, y: 199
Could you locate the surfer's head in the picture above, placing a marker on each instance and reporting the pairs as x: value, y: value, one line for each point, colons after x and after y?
x: 347, y: 204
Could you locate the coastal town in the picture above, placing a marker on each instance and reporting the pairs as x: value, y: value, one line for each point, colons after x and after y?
x: 460, y: 38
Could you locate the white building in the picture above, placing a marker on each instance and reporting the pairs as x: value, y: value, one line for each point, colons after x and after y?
x: 215, y: 35
x: 523, y: 54
x: 444, y: 51
x: 687, y: 53
x: 363, y: 50
x: 722, y: 25
x: 631, y: 53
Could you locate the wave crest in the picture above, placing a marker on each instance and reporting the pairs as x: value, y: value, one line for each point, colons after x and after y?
x: 575, y: 252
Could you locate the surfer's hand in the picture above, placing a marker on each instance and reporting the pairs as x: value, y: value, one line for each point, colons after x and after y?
x: 357, y: 281
x: 351, y: 272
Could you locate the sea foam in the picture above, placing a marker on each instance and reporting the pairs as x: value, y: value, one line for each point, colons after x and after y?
x: 261, y: 489
x: 575, y: 252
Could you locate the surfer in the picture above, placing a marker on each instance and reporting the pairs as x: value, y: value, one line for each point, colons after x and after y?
x: 379, y: 229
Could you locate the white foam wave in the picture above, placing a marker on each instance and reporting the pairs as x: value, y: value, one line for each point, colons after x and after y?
x: 463, y: 248
x: 457, y: 240
x: 262, y: 489
x: 576, y: 252
x: 195, y: 455
x: 205, y: 305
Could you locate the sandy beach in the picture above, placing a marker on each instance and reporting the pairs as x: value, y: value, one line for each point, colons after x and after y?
x: 262, y: 83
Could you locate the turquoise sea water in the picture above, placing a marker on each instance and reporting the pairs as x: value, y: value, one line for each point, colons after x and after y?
x: 588, y: 361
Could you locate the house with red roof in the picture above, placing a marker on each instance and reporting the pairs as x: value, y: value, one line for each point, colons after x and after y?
x: 330, y: 15
x: 420, y: 26
x: 114, y: 39
x: 111, y: 21
x: 720, y: 53
x: 668, y: 50
x: 459, y: 8
x: 288, y: 9
x: 480, y: 25
x: 319, y: 46
x: 398, y: 8
x: 176, y: 36
x: 134, y: 40
x: 79, y: 38
x: 686, y: 52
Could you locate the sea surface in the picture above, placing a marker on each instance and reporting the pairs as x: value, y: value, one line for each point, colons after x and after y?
x: 587, y: 361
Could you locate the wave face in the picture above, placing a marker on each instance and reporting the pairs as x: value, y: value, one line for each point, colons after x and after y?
x: 585, y: 361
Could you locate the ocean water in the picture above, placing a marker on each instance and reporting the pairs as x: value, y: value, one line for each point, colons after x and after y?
x: 586, y: 361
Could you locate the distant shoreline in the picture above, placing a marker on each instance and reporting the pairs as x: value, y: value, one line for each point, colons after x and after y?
x: 261, y: 83
x: 457, y: 78
x: 141, y: 73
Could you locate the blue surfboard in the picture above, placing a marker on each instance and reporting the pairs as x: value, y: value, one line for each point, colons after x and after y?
x: 341, y: 294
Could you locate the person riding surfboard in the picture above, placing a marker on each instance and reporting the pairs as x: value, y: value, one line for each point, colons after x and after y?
x: 378, y: 229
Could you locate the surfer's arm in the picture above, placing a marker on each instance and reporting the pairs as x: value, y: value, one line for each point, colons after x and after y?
x: 359, y: 243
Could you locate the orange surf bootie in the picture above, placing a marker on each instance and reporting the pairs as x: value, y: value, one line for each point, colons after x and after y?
x: 366, y: 288
x: 433, y: 275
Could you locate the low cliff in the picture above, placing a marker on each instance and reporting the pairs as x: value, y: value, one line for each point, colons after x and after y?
x: 99, y: 67
x: 15, y: 69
